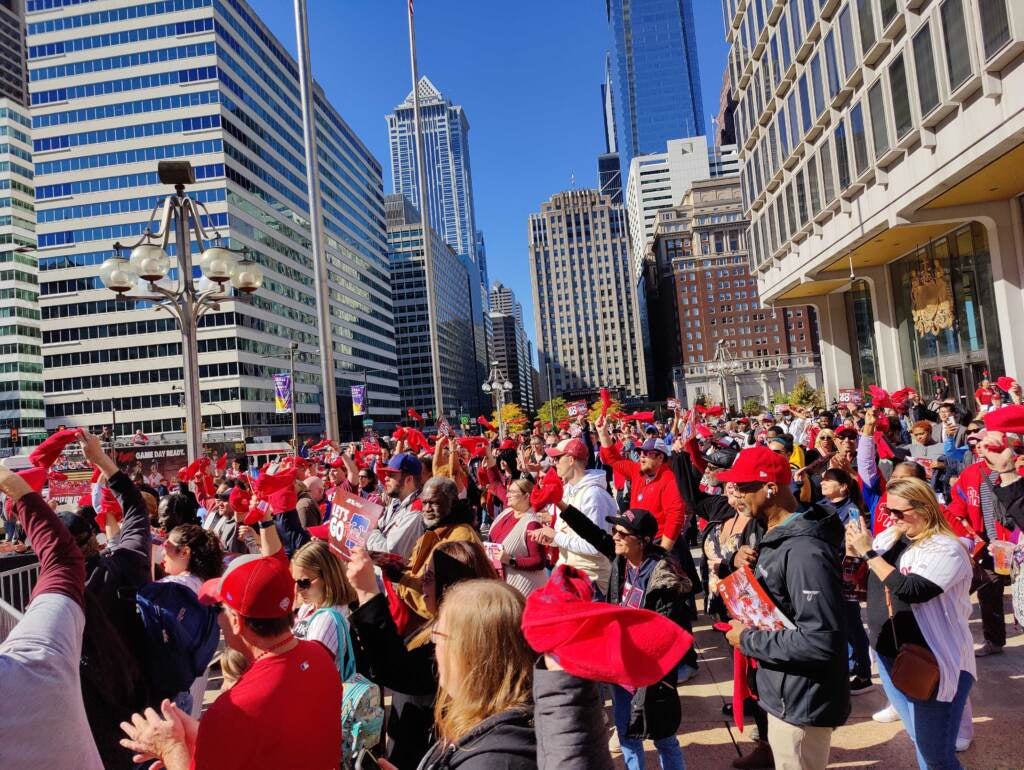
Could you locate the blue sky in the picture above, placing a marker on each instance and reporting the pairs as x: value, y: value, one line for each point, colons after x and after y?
x: 528, y: 74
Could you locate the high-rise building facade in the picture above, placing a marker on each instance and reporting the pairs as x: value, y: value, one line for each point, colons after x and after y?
x: 449, y: 186
x: 881, y: 148
x: 116, y: 87
x: 512, y: 348
x: 584, y: 297
x: 21, y: 359
x: 703, y: 299
x: 452, y: 318
x: 655, y: 77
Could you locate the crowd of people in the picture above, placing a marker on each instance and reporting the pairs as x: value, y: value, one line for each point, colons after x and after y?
x: 512, y: 585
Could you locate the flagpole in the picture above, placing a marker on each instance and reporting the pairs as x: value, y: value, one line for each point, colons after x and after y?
x: 320, y: 278
x: 428, y: 266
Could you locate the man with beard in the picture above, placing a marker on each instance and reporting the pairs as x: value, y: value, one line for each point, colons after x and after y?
x: 400, y: 526
x: 445, y: 518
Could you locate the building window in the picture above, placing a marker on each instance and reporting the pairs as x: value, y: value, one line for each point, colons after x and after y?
x: 958, y: 53
x: 817, y: 85
x: 889, y: 10
x: 866, y: 20
x: 995, y: 25
x: 794, y: 125
x: 842, y: 156
x: 828, y: 186
x: 805, y: 104
x: 831, y: 65
x: 924, y: 67
x: 879, y: 125
x: 903, y: 118
x: 801, y: 198
x: 812, y: 185
x: 846, y: 39
x: 859, y: 137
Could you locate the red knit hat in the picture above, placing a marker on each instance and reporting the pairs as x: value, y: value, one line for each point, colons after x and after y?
x: 603, y: 642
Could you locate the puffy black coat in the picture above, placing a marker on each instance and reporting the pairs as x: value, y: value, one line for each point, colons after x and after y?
x: 505, y: 741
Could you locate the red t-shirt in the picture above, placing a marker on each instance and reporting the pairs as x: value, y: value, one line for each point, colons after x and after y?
x: 284, y: 712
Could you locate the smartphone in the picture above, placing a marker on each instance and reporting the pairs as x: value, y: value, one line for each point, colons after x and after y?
x: 366, y: 761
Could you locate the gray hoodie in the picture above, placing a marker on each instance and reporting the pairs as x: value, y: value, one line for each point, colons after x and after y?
x: 590, y: 496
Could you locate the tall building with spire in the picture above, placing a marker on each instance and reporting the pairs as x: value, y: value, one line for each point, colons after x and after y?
x: 449, y: 188
x: 21, y: 360
x: 654, y: 75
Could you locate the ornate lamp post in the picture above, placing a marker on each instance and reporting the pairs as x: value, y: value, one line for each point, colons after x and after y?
x: 724, y: 365
x: 497, y: 386
x: 187, y: 301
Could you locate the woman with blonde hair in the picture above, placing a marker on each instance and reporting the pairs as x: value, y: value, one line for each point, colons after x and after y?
x: 522, y: 558
x: 918, y: 594
x: 324, y: 595
x: 484, y: 711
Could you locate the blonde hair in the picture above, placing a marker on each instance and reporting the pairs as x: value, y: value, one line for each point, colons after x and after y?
x: 525, y: 486
x: 482, y: 622
x: 232, y: 665
x: 922, y: 499
x: 316, y: 556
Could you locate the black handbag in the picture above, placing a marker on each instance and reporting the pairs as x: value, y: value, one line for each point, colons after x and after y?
x: 654, y: 712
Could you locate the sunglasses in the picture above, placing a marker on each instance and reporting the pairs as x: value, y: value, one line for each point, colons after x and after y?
x: 899, y: 513
x: 172, y: 547
x: 303, y: 584
x: 748, y: 487
x: 621, y: 533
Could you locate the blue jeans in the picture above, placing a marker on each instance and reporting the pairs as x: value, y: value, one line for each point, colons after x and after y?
x: 857, y: 642
x: 670, y: 755
x: 932, y: 725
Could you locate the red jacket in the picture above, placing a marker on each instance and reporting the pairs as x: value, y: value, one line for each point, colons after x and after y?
x: 965, y: 503
x: 658, y: 494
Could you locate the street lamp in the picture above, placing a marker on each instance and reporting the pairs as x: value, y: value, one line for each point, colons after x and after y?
x: 724, y: 365
x: 497, y: 386
x: 186, y: 302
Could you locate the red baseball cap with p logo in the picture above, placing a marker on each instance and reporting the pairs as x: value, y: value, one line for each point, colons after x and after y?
x: 759, y: 463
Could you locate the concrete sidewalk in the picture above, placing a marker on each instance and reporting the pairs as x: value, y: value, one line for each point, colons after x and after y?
x: 711, y: 741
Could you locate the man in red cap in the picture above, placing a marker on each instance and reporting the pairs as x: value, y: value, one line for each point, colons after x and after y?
x: 291, y: 688
x: 802, y: 675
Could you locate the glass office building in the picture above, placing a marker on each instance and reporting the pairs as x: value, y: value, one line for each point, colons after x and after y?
x: 655, y: 77
x: 119, y: 86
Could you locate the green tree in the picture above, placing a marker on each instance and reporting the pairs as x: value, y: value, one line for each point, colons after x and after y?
x: 556, y: 405
x: 515, y: 418
x: 595, y: 409
x: 753, y: 406
x: 804, y: 395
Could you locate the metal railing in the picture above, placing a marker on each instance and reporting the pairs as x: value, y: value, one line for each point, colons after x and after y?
x: 16, y: 585
x: 9, y: 618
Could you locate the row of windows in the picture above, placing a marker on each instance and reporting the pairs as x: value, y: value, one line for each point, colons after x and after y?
x: 7, y: 167
x: 114, y: 232
x: 114, y: 14
x: 19, y: 349
x: 142, y: 106
x: 16, y: 257
x: 165, y: 400
x: 21, y: 136
x: 106, y: 208
x: 45, y: 192
x: 47, y: 5
x: 18, y: 275
x: 12, y: 149
x: 20, y: 330
x: 190, y: 75
x: 27, y: 386
x: 127, y: 60
x: 130, y: 328
x: 31, y: 314
x: 176, y: 29
x: 124, y: 157
x: 124, y: 133
x: 22, y: 294
x: 6, y: 113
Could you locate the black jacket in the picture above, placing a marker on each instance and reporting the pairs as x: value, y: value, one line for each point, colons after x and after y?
x: 505, y: 741
x: 803, y: 675
x: 569, y: 715
x: 1011, y: 500
x: 411, y: 675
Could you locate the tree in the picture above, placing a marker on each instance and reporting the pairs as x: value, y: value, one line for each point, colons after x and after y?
x: 595, y: 409
x: 804, y: 395
x: 515, y: 418
x: 753, y: 406
x: 557, y: 405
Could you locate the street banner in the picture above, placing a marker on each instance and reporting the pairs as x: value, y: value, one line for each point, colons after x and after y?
x: 283, y: 393
x: 352, y: 518
x: 854, y: 396
x: 358, y: 400
x: 577, y: 409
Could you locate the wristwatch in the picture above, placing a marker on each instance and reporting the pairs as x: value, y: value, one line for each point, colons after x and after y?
x: 871, y: 553
x: 512, y: 562
x: 266, y: 524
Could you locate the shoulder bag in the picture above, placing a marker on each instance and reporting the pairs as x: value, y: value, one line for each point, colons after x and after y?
x: 915, y: 672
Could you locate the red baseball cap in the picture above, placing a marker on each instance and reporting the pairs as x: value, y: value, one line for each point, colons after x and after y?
x: 253, y: 586
x: 759, y: 463
x: 570, y: 446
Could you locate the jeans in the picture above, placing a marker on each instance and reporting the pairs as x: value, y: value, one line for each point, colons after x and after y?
x: 670, y: 755
x: 932, y: 725
x: 857, y: 641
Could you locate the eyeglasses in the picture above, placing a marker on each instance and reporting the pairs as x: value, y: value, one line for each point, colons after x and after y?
x: 622, y: 534
x: 303, y: 584
x: 899, y: 513
x: 748, y: 487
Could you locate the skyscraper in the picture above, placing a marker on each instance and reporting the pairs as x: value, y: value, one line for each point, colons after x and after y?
x: 21, y: 360
x: 449, y: 186
x: 655, y: 77
x: 609, y: 172
x: 512, y: 348
x: 584, y: 297
x: 452, y: 289
x: 114, y: 91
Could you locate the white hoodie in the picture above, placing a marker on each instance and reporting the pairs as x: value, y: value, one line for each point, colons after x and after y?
x: 589, y: 496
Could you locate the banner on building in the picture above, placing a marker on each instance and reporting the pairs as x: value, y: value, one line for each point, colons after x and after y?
x: 576, y: 409
x: 358, y: 400
x: 283, y: 393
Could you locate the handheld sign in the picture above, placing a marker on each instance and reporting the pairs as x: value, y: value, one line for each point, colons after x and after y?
x: 576, y: 409
x: 352, y: 518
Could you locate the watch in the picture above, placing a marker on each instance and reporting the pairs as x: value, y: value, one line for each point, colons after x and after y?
x: 266, y: 524
x: 871, y: 553
x: 512, y: 562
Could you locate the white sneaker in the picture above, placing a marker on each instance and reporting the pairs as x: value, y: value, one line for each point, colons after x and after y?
x: 886, y: 715
x: 962, y: 744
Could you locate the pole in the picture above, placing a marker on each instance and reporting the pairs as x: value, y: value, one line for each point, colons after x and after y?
x: 113, y: 429
x: 366, y: 397
x: 295, y: 414
x: 189, y: 345
x: 320, y: 280
x: 551, y: 396
x: 428, y: 266
x: 501, y: 404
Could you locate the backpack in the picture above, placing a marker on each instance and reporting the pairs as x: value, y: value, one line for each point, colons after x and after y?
x: 181, y: 636
x: 362, y: 717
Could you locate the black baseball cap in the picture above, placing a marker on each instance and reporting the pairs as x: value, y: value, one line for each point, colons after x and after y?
x: 638, y: 521
x: 80, y: 522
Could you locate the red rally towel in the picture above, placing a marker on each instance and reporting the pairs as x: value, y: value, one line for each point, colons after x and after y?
x: 46, y: 454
